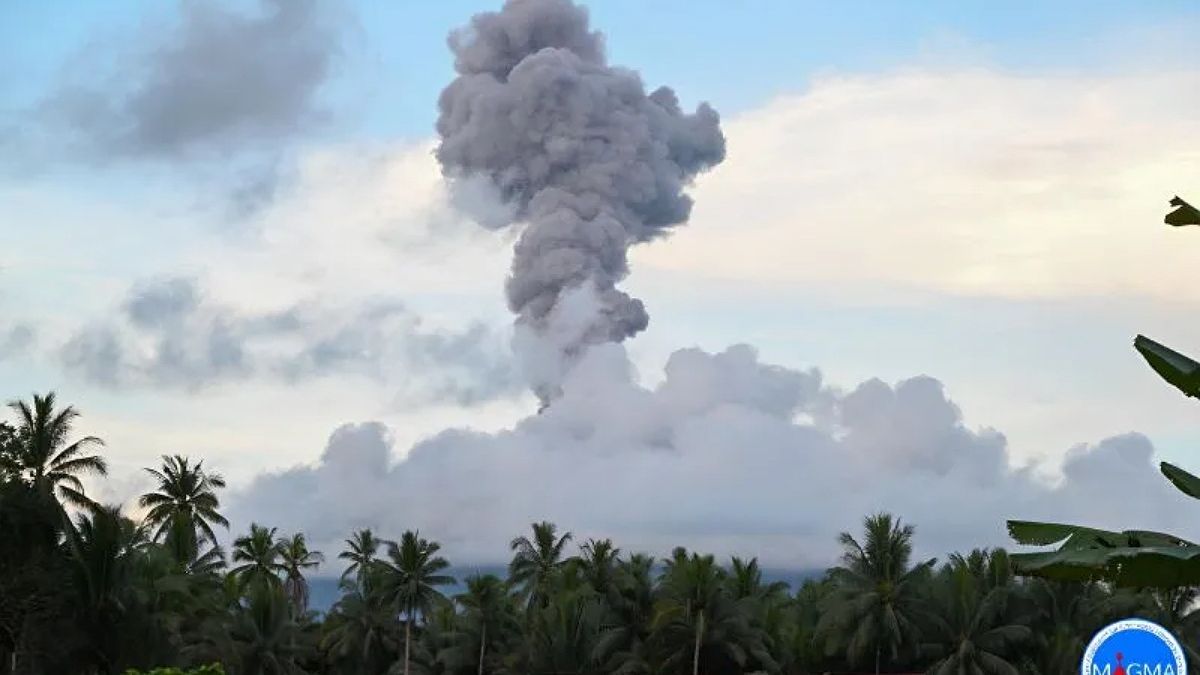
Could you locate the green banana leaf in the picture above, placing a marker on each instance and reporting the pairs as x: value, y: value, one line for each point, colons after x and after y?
x: 1186, y: 482
x: 1184, y: 214
x: 1180, y: 371
x: 1130, y: 558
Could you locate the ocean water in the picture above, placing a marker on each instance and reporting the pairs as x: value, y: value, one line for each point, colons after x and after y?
x: 324, y: 591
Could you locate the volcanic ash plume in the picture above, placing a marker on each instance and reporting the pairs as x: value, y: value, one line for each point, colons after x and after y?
x: 581, y: 154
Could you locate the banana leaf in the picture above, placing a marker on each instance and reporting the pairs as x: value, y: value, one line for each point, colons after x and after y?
x: 1186, y: 482
x: 1130, y: 558
x: 1184, y: 214
x: 1180, y: 371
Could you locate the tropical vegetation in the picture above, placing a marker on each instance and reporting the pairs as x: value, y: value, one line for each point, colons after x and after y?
x: 1130, y: 558
x: 89, y: 588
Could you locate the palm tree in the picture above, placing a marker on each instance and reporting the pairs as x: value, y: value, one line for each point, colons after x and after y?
x: 186, y: 550
x: 360, y: 633
x: 361, y: 549
x: 767, y: 606
x: 1066, y: 613
x: 625, y: 629
x: 745, y: 580
x: 488, y: 616
x: 101, y: 547
x: 598, y: 561
x: 410, y: 580
x: 435, y: 651
x: 807, y: 652
x: 876, y: 604
x: 294, y: 559
x: 265, y: 638
x: 186, y: 494
x: 259, y: 554
x: 699, y: 626
x: 47, y: 458
x: 537, y: 562
x: 977, y: 628
x: 561, y: 636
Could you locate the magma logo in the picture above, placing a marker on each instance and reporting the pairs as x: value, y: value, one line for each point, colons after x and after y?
x: 1134, y: 647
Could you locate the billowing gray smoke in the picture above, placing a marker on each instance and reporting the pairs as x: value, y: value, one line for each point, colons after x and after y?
x: 586, y: 158
x: 727, y: 454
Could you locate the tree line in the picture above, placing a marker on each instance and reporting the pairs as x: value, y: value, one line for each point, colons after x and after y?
x: 84, y: 588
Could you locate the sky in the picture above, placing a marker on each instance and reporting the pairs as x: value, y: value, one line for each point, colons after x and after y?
x: 934, y: 232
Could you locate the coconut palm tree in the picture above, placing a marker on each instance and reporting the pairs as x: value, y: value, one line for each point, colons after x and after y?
x: 197, y: 557
x: 434, y: 650
x: 102, y: 547
x: 264, y: 636
x: 537, y: 562
x: 699, y: 626
x: 488, y: 619
x: 409, y: 580
x: 807, y: 651
x: 875, y: 610
x: 598, y: 562
x: 186, y: 494
x: 978, y: 626
x: 45, y: 455
x: 294, y: 558
x: 1065, y: 615
x: 767, y: 606
x: 625, y: 629
x: 561, y: 637
x: 259, y: 554
x: 360, y: 633
x: 361, y: 550
x: 745, y: 580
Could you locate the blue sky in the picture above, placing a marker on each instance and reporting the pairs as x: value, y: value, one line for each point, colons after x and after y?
x: 735, y: 54
x: 965, y: 190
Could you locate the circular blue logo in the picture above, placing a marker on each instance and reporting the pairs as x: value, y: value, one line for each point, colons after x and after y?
x: 1133, y: 647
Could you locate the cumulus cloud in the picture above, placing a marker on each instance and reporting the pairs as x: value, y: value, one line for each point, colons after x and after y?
x: 871, y: 180
x: 727, y: 454
x: 169, y: 335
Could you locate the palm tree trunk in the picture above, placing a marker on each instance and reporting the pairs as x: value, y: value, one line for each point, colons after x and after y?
x: 407, y: 636
x: 696, y: 649
x: 482, y: 645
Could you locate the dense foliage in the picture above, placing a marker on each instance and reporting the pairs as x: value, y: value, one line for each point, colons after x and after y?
x: 86, y: 589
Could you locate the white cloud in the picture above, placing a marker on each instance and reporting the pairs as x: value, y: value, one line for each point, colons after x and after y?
x: 727, y: 454
x: 357, y: 227
x: 864, y: 191
x: 944, y: 184
x: 968, y: 182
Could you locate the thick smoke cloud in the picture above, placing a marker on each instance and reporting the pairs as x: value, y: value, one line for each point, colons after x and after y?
x: 591, y: 163
x: 218, y: 80
x: 727, y: 454
x: 169, y: 335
